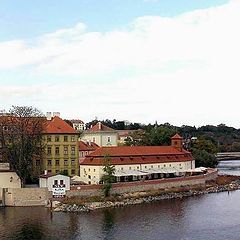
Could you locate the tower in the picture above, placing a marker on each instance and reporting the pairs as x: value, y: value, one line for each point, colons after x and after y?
x: 177, y: 142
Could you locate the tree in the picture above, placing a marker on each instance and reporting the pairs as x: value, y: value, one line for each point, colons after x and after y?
x: 108, y: 176
x: 204, y: 159
x: 21, y: 139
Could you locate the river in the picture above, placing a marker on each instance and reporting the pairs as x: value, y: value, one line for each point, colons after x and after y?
x: 213, y: 216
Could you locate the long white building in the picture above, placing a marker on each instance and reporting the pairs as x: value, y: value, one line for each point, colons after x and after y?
x: 138, y: 162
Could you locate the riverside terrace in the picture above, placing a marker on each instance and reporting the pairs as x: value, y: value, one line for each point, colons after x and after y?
x: 135, y: 175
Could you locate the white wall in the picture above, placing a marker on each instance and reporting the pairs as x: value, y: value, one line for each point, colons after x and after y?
x: 92, y: 174
x: 9, y: 180
x: 101, y: 138
x: 66, y: 181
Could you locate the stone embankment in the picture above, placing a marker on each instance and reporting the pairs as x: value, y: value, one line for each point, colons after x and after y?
x: 146, y: 197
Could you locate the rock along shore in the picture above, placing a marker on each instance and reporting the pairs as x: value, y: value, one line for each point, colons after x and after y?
x: 139, y: 198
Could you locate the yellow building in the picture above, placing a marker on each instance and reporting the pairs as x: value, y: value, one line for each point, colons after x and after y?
x: 61, y: 148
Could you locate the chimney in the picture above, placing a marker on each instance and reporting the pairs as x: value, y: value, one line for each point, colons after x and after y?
x: 99, y: 126
x: 49, y: 116
x: 56, y: 114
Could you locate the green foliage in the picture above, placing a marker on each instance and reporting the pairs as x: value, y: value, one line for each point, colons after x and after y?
x: 108, y: 176
x: 207, y: 145
x: 21, y: 139
x: 203, y: 158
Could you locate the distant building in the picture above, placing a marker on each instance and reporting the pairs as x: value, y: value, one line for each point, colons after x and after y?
x: 78, y: 125
x: 138, y: 162
x: 101, y: 135
x: 123, y: 135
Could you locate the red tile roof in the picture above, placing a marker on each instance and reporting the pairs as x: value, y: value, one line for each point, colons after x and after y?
x: 177, y: 136
x: 99, y: 127
x: 137, y: 155
x: 58, y: 126
x: 91, y: 146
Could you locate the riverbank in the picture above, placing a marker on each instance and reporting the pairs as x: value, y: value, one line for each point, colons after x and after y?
x: 77, y: 204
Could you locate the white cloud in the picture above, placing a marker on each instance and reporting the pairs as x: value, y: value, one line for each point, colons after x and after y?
x: 182, y: 69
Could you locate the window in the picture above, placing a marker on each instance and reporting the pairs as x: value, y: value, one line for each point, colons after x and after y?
x: 65, y: 150
x: 49, y: 150
x: 89, y: 176
x: 170, y: 165
x: 61, y: 182
x: 49, y: 138
x: 145, y: 166
x: 49, y: 162
x: 137, y: 167
x: 57, y: 139
x: 152, y: 166
x: 37, y: 162
x: 94, y: 139
x: 94, y: 170
x: 89, y: 169
x: 65, y: 162
x: 55, y: 182
x: 121, y: 168
x: 158, y: 166
x: 130, y: 168
x: 65, y: 172
x: 109, y: 139
x: 57, y: 162
x: 72, y: 161
x: 57, y: 171
x: 65, y: 138
x: 72, y: 138
x: 73, y: 171
x: 73, y: 150
x: 57, y: 150
x: 164, y: 165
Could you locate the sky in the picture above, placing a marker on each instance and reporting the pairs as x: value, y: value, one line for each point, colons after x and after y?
x: 140, y: 60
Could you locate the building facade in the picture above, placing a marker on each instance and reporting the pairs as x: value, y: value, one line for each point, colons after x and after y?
x: 85, y: 148
x: 61, y: 148
x: 138, y: 162
x: 101, y: 135
x: 78, y: 125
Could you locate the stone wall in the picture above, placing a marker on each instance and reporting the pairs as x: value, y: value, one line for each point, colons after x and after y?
x: 128, y: 187
x: 23, y: 197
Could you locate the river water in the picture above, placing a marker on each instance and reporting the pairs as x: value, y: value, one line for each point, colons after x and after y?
x: 213, y: 216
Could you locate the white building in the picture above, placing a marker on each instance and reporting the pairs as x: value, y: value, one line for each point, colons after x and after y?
x: 51, y: 181
x: 138, y: 162
x: 78, y: 125
x: 101, y: 135
x: 8, y: 179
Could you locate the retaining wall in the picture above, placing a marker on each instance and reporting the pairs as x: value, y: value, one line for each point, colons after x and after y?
x: 128, y: 187
x: 23, y: 197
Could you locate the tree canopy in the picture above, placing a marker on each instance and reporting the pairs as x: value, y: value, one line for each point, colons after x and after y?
x: 21, y: 139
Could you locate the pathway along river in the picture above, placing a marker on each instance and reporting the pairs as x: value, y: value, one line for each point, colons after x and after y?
x: 213, y: 216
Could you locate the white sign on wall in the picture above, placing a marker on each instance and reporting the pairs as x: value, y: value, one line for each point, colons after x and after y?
x: 59, y: 191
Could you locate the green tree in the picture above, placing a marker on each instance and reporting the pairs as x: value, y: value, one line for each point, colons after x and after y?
x: 108, y: 176
x: 203, y: 158
x: 21, y: 139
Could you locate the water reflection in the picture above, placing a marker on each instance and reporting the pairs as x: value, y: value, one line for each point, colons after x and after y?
x: 28, y: 231
x: 213, y: 216
x: 108, y: 224
x: 229, y: 167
